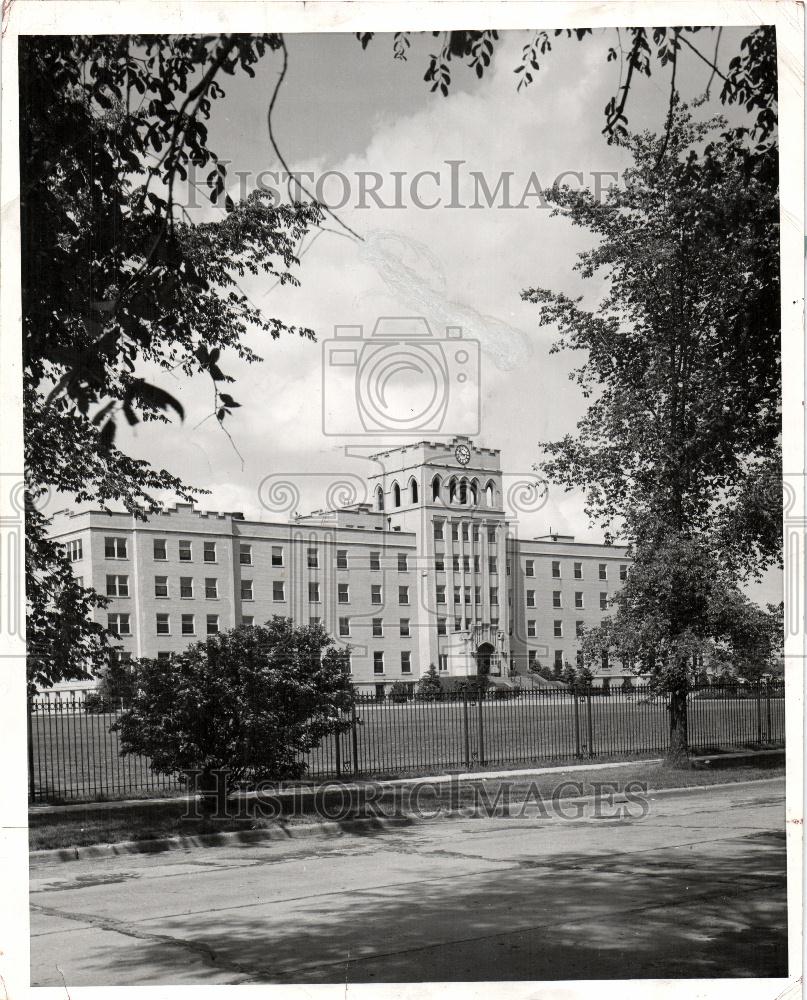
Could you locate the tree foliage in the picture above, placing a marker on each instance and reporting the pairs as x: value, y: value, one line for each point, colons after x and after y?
x: 429, y: 687
x: 251, y: 701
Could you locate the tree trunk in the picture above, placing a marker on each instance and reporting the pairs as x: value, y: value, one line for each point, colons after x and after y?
x: 213, y: 794
x: 678, y: 754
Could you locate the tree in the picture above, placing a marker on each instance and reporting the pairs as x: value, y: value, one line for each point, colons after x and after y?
x: 684, y: 406
x: 429, y: 687
x: 119, y: 281
x: 249, y: 702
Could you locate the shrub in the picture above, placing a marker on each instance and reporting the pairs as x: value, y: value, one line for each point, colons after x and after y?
x: 429, y: 687
x: 400, y: 692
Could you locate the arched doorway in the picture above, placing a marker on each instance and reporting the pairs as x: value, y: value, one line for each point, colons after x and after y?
x: 484, y: 659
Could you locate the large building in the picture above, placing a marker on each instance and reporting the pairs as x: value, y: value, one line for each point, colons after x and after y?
x: 430, y: 571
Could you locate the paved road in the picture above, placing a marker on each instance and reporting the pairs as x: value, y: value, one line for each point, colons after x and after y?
x: 694, y: 889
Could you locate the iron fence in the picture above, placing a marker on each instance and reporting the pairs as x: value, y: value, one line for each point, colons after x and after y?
x: 74, y: 756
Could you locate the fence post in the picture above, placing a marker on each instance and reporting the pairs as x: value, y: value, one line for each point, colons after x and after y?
x: 759, y: 711
x: 768, y: 712
x: 31, y: 782
x: 589, y: 725
x: 577, y: 748
x: 354, y: 737
x: 338, y: 746
x: 480, y: 729
x: 465, y: 730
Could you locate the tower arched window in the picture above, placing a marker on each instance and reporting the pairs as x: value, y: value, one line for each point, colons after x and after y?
x: 413, y: 491
x: 379, y: 498
x: 463, y: 491
x: 396, y: 494
x: 474, y: 486
x: 452, y: 490
x: 490, y: 494
x: 436, y: 484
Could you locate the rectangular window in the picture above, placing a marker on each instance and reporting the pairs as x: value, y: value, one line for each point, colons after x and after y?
x: 458, y: 624
x: 531, y: 657
x: 555, y: 569
x: 441, y: 626
x: 403, y: 595
x: 161, y: 586
x: 403, y: 562
x: 117, y: 586
x: 378, y: 627
x: 313, y: 558
x: 439, y: 564
x: 491, y: 536
x: 245, y: 555
x: 119, y: 624
x: 455, y: 563
x: 344, y: 625
x: 578, y: 629
x: 378, y: 661
x: 375, y: 593
x: 375, y: 561
x: 438, y: 531
x: 314, y: 620
x: 475, y: 533
x: 441, y: 593
x: 603, y: 571
x: 278, y: 590
x: 185, y: 550
x: 406, y: 661
x: 188, y: 626
x: 603, y: 601
x: 530, y: 628
x: 246, y: 590
x: 404, y: 628
x: 492, y: 565
x: 163, y: 625
x: 530, y: 598
x: 529, y: 567
x: 578, y: 571
x: 558, y: 657
x: 467, y: 624
x: 209, y: 552
x: 477, y: 564
x: 247, y: 620
x: 160, y: 549
x: 494, y: 622
x: 341, y: 558
x: 442, y: 662
x: 558, y: 628
x: 211, y: 588
x: 578, y: 599
x: 464, y: 532
x: 466, y: 596
x: 74, y: 550
x: 557, y: 599
x: 115, y: 548
x: 212, y: 624
x: 457, y: 595
x: 163, y: 656
x: 343, y: 593
x: 623, y: 572
x: 455, y: 533
x: 494, y: 595
x: 277, y: 555
x: 186, y: 586
x: 477, y: 595
x: 313, y: 592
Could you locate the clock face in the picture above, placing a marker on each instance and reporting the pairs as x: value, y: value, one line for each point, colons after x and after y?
x: 462, y: 454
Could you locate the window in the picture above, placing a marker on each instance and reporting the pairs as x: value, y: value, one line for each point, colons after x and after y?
x: 115, y: 548
x: 403, y: 562
x: 119, y: 624
x: 436, y: 488
x: 117, y: 586
x: 186, y: 586
x: 163, y: 656
x: 455, y: 563
x: 558, y: 657
x: 403, y: 595
x: 494, y: 622
x: 557, y: 599
x: 375, y: 593
x: 188, y: 625
x: 378, y: 661
x: 404, y: 628
x: 378, y: 627
x: 375, y: 562
x: 531, y: 657
x: 466, y: 595
x: 441, y: 593
x: 379, y: 498
x: 245, y: 555
x: 343, y: 593
x: 467, y: 624
x: 209, y: 552
x: 475, y: 533
x: 464, y: 532
x: 246, y: 590
x: 438, y: 531
x: 441, y: 626
x: 603, y: 601
x: 74, y: 550
x: 604, y: 663
x: 442, y: 662
x: 455, y: 533
x: 277, y: 555
x: 477, y: 595
x: 530, y: 598
x: 439, y: 564
x: 578, y: 599
x: 161, y: 586
x: 492, y: 565
x: 457, y: 595
x: 476, y: 564
x: 313, y: 558
x: 396, y: 494
x: 458, y: 624
x: 247, y: 620
x: 341, y: 558
x: 494, y: 595
x: 578, y: 571
x: 211, y: 588
x: 185, y: 551
x: 212, y: 624
x: 578, y: 628
x: 163, y: 625
x: 344, y: 625
x: 278, y: 590
x: 603, y: 571
x: 529, y: 567
x: 406, y: 661
x: 160, y: 549
x: 558, y: 629
x: 491, y: 536
x: 313, y: 592
x: 530, y: 628
x: 623, y: 572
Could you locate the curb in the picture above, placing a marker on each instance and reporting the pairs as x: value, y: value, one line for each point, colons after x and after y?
x: 283, y: 832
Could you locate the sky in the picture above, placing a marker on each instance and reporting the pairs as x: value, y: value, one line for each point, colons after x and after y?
x: 351, y: 111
